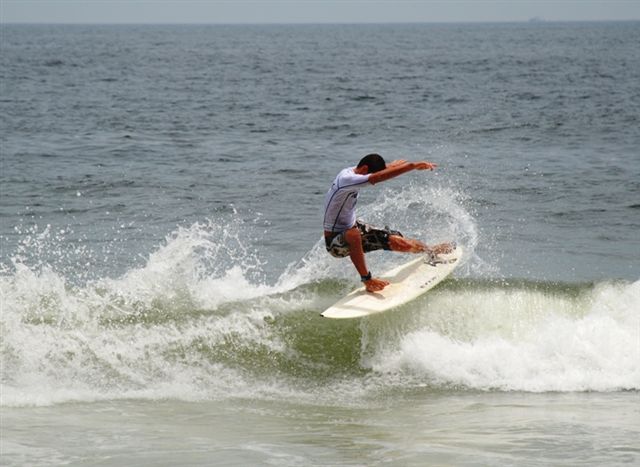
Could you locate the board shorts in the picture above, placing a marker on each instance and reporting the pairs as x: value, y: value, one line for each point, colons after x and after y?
x: 372, y: 239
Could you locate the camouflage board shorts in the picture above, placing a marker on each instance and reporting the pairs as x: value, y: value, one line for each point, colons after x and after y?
x: 372, y: 239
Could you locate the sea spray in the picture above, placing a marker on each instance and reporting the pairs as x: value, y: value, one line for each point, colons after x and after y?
x: 135, y: 334
x: 432, y: 213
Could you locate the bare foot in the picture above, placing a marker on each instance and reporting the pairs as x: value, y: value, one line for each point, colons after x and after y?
x: 442, y: 248
x: 375, y: 285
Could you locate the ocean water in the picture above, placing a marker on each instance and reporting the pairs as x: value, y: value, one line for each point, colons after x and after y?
x: 162, y: 270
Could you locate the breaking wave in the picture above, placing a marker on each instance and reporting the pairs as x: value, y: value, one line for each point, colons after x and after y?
x: 200, y: 320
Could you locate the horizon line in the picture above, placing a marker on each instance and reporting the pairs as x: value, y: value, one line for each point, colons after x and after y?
x: 311, y: 23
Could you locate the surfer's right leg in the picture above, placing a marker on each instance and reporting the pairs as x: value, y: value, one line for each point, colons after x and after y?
x: 353, y: 237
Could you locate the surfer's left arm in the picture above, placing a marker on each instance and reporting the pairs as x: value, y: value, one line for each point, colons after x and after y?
x: 396, y: 162
x: 400, y: 167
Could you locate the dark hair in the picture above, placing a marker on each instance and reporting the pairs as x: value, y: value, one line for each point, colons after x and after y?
x: 374, y: 162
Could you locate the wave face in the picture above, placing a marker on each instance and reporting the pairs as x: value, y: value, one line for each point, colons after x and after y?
x: 198, y: 320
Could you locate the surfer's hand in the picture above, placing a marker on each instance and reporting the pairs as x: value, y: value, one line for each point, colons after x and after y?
x: 396, y: 162
x: 375, y: 285
x: 424, y: 165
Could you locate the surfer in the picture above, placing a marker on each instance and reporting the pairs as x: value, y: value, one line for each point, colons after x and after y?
x: 344, y: 236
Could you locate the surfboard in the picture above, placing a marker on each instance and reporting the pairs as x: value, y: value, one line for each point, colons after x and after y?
x: 407, y: 282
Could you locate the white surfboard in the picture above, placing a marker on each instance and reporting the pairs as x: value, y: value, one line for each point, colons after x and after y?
x: 407, y: 282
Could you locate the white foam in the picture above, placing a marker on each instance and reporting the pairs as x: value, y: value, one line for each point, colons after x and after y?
x: 94, y: 353
x: 128, y: 337
x: 546, y: 344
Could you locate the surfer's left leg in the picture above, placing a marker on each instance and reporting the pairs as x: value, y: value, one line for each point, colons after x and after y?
x: 387, y: 239
x: 410, y: 245
x: 406, y: 245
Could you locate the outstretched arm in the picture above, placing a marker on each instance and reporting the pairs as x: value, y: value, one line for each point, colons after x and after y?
x: 396, y: 168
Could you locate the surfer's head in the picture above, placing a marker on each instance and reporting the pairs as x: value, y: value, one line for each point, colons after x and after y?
x: 374, y: 163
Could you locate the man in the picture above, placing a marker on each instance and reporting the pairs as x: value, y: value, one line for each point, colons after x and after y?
x: 344, y: 236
